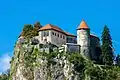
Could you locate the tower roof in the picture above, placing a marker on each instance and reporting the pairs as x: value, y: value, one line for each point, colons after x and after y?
x: 83, y: 25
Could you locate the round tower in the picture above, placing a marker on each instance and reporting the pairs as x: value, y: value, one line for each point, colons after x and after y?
x: 83, y: 38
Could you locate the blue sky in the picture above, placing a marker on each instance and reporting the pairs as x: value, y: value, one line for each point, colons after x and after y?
x: 66, y: 14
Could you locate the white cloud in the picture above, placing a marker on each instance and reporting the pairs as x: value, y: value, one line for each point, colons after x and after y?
x: 4, y: 62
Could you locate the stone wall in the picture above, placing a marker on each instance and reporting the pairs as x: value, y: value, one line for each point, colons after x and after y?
x: 59, y: 39
x: 83, y: 39
x: 71, y: 47
x: 71, y: 39
x: 94, y: 43
x: 54, y: 37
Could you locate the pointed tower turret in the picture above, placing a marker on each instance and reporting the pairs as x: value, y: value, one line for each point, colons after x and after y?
x: 83, y: 38
x: 83, y: 25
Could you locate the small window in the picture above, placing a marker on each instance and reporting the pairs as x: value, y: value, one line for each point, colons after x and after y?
x: 58, y: 35
x: 55, y: 34
x: 52, y: 33
x: 47, y: 33
x: 44, y: 33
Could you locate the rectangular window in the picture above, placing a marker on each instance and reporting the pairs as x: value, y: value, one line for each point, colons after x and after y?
x: 63, y: 37
x: 58, y: 35
x: 45, y: 33
x: 55, y: 34
x: 52, y: 33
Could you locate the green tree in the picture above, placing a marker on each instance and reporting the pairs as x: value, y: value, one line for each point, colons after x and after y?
x: 118, y: 60
x: 107, y: 48
x: 27, y: 31
x: 37, y: 25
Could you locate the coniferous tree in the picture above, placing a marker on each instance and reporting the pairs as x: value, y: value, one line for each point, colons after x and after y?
x: 118, y: 60
x: 107, y: 48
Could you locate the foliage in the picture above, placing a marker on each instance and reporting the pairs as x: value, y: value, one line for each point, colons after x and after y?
x: 105, y: 74
x: 30, y: 31
x: 49, y: 57
x: 78, y: 61
x: 107, y: 49
x: 118, y: 60
x: 37, y: 25
x: 83, y: 67
x: 30, y: 58
x: 27, y: 31
x: 91, y: 71
x: 5, y: 76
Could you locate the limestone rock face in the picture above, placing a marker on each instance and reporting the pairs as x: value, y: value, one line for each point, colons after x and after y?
x: 29, y: 63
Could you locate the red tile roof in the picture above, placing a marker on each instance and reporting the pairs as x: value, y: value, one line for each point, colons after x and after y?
x: 68, y: 34
x: 52, y: 27
x: 83, y: 25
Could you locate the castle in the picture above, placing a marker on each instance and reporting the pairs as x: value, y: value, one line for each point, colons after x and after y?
x: 85, y: 43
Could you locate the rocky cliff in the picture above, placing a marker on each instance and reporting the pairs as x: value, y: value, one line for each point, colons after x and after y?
x: 30, y: 63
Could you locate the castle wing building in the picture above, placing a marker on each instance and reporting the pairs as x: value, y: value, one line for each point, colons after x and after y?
x: 84, y: 43
x: 55, y: 35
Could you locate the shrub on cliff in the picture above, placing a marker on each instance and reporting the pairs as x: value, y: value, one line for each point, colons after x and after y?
x: 30, y: 31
